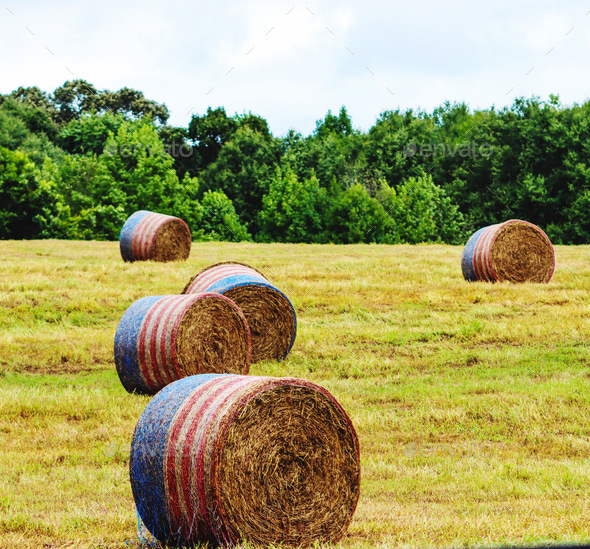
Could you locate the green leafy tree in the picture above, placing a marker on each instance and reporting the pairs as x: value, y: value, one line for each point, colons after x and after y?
x: 293, y: 211
x: 27, y: 128
x: 214, y: 129
x: 34, y: 97
x: 255, y: 123
x: 31, y: 118
x: 574, y: 227
x: 134, y: 173
x: 78, y: 97
x: 329, y: 158
x: 30, y: 206
x: 143, y: 175
x: 210, y: 132
x: 89, y: 133
x: 392, y: 145
x: 177, y: 145
x: 243, y: 171
x: 355, y: 217
x: 13, y: 129
x: 220, y: 220
x: 334, y: 151
x: 332, y: 124
x: 32, y: 106
x: 77, y: 176
x: 38, y: 148
x: 422, y: 212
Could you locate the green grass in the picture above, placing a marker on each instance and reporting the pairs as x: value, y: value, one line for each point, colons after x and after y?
x: 471, y: 401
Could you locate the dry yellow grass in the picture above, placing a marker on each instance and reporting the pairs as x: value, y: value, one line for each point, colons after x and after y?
x: 471, y: 400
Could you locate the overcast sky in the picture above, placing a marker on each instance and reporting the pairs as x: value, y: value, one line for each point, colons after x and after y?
x: 291, y: 61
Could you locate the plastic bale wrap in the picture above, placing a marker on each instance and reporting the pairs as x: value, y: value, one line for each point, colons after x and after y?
x: 161, y: 339
x: 228, y: 459
x: 270, y: 314
x: 148, y: 235
x: 514, y: 251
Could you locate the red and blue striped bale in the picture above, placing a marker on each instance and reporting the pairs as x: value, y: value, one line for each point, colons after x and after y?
x: 514, y: 251
x: 228, y: 458
x: 270, y: 314
x: 153, y: 236
x: 161, y: 339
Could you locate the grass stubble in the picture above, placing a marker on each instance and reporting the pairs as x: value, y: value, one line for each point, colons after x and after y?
x: 471, y: 400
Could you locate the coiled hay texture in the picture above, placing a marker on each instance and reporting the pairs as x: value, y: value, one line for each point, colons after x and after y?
x: 270, y: 314
x: 228, y: 458
x: 514, y: 251
x: 148, y: 235
x: 161, y: 339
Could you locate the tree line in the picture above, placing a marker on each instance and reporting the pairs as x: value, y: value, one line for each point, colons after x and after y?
x: 77, y: 162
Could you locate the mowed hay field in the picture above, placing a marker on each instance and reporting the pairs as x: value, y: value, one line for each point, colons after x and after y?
x: 471, y: 400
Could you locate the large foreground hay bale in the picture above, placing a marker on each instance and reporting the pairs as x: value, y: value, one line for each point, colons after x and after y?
x: 514, y: 251
x: 271, y: 316
x: 148, y: 235
x: 226, y: 458
x: 164, y: 338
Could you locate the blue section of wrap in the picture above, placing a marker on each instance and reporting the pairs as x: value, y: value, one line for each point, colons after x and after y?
x: 126, y: 236
x: 467, y: 257
x: 234, y: 281
x: 147, y: 458
x: 126, y: 338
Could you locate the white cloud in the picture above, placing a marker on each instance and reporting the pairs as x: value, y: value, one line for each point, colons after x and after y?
x: 319, y: 55
x: 542, y: 34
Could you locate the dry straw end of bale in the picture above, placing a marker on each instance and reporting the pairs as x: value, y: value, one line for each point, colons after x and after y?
x: 270, y: 315
x: 231, y: 458
x: 153, y: 236
x: 161, y: 339
x: 513, y: 251
x: 522, y: 252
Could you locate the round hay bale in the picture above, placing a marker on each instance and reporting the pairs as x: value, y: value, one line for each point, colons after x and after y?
x: 148, y: 235
x: 514, y: 251
x: 228, y: 458
x: 271, y: 316
x: 161, y: 339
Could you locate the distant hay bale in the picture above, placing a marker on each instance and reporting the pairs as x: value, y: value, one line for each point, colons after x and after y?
x: 164, y: 338
x: 148, y: 235
x: 271, y: 316
x: 226, y: 459
x: 514, y: 251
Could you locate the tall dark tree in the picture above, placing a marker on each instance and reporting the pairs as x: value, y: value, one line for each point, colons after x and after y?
x: 34, y: 97
x: 334, y: 152
x: 178, y: 146
x: 209, y: 133
x: 74, y: 98
x: 255, y: 123
x: 243, y: 170
x: 132, y: 104
x: 332, y: 124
